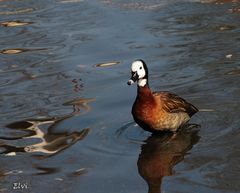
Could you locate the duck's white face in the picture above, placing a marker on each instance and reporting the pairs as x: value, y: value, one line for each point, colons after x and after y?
x: 137, y: 67
x: 138, y: 73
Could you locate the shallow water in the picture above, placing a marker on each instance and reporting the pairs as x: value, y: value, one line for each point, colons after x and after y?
x: 65, y: 107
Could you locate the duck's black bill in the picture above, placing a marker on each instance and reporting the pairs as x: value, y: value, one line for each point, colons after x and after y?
x: 133, y: 79
x: 130, y: 82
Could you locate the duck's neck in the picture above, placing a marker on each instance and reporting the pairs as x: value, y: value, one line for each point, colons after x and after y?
x: 144, y: 89
x: 142, y: 82
x: 144, y: 93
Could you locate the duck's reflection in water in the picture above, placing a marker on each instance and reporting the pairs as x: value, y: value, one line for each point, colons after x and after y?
x: 49, y: 140
x: 161, y: 153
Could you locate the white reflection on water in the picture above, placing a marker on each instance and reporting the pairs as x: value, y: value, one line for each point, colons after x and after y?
x: 43, y: 129
x: 50, y: 142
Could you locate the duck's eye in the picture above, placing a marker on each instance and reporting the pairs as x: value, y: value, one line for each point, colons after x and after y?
x: 140, y: 68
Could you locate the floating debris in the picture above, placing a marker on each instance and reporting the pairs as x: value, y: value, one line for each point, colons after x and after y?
x: 227, y: 27
x: 13, y: 172
x: 11, y: 154
x: 80, y: 171
x: 14, y: 66
x: 59, y: 179
x: 71, y: 1
x: 107, y: 64
x: 81, y: 66
x: 234, y: 72
x: 229, y: 56
x: 14, y: 23
x: 19, y: 50
x: 12, y: 51
x: 17, y: 11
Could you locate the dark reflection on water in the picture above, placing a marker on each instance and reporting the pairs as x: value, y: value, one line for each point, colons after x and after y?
x: 45, y: 170
x: 161, y: 153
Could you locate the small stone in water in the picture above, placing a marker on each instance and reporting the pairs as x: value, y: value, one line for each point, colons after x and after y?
x: 11, y: 154
x: 228, y: 56
x: 107, y: 64
x: 59, y: 179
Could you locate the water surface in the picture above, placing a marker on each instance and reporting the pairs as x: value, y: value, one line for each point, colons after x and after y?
x: 65, y: 107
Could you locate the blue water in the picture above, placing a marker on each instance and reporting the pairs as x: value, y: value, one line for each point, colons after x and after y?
x: 66, y: 123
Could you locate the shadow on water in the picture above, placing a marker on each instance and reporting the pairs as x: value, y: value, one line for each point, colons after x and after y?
x: 161, y: 152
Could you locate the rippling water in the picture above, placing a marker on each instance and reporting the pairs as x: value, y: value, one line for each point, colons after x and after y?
x: 65, y: 106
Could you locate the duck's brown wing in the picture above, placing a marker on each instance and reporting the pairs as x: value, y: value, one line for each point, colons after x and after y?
x: 172, y: 103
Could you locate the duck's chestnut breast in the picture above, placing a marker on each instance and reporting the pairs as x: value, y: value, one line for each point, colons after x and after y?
x: 145, y: 108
